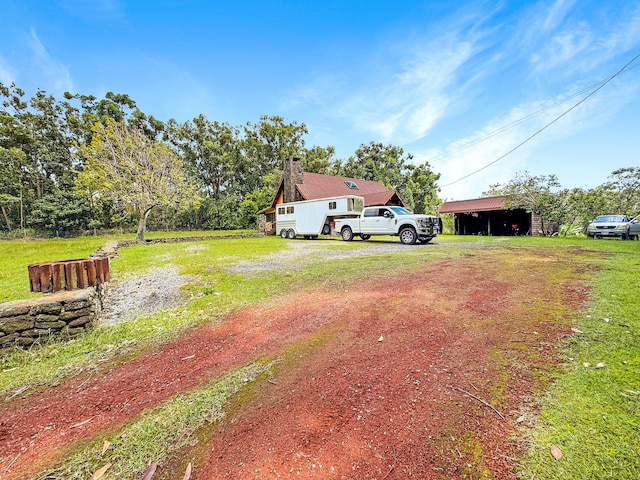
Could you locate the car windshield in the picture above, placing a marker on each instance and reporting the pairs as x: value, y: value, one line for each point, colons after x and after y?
x: 401, y: 211
x: 610, y: 219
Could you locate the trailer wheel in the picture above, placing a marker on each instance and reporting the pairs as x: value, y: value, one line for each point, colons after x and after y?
x: 408, y: 236
x: 291, y: 234
x: 326, y: 229
x: 347, y: 234
x: 364, y: 236
x: 283, y: 233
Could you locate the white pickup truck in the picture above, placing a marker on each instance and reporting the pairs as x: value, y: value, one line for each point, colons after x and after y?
x: 392, y: 220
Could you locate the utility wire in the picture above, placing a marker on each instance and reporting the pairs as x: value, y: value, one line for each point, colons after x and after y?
x: 600, y: 86
x: 515, y: 123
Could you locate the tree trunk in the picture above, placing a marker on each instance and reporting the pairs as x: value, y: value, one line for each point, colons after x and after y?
x: 6, y: 218
x: 142, y: 224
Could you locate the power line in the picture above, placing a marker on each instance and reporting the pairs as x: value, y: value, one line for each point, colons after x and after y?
x: 600, y: 86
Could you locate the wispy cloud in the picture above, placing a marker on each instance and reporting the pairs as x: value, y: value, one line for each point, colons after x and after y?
x: 495, y: 152
x: 53, y: 72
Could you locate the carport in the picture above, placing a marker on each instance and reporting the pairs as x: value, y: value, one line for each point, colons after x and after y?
x: 487, y: 216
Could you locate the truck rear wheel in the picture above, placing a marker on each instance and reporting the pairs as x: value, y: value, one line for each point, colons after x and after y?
x: 408, y: 236
x: 347, y: 234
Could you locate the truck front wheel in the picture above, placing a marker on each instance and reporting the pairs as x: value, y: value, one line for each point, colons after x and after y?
x: 347, y: 234
x: 408, y: 236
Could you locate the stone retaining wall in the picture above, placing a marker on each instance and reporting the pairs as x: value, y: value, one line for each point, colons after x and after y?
x: 66, y: 314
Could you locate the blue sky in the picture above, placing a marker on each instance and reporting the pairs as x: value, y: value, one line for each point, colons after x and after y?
x: 458, y: 84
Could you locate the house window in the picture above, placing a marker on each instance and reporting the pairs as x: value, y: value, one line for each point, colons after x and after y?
x: 332, y: 205
x: 280, y: 210
x: 289, y: 209
x: 351, y: 184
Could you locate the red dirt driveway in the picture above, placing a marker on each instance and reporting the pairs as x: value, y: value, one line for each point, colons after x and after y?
x: 414, y: 375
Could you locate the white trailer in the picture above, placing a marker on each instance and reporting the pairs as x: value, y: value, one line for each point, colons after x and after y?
x: 311, y: 218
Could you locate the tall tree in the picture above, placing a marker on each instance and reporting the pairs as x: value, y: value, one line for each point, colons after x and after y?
x: 266, y: 145
x: 421, y: 189
x: 212, y: 150
x: 126, y: 166
x: 321, y: 160
x: 386, y: 164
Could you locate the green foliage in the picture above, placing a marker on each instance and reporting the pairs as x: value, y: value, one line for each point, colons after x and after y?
x: 626, y: 182
x: 60, y: 212
x: 221, y: 212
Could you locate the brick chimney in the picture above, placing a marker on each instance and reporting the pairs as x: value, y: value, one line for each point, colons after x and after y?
x: 293, y: 174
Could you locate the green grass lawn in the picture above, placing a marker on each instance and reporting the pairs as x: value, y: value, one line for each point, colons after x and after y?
x: 591, y: 412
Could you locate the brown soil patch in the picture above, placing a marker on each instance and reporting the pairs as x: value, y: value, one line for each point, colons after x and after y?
x: 376, y: 380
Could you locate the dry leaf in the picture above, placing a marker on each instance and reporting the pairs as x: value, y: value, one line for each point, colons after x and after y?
x: 556, y: 452
x: 381, y: 338
x: 187, y: 473
x: 99, y: 473
x: 150, y: 471
x: 105, y: 447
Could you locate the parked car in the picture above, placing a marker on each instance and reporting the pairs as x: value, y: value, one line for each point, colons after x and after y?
x: 621, y: 226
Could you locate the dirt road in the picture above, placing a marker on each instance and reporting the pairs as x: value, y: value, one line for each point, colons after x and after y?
x: 401, y: 376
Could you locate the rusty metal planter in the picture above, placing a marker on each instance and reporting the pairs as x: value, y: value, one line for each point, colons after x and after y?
x: 49, y: 277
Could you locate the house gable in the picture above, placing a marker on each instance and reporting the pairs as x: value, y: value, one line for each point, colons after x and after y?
x: 318, y: 186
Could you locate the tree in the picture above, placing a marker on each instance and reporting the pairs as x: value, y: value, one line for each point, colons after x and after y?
x: 211, y: 149
x: 320, y: 160
x: 266, y: 145
x: 381, y: 163
x: 126, y: 166
x: 626, y: 182
x: 61, y: 212
x: 421, y: 188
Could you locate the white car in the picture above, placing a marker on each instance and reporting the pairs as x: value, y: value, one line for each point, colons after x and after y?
x: 621, y: 226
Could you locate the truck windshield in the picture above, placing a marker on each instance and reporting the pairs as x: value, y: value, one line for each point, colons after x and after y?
x: 401, y: 211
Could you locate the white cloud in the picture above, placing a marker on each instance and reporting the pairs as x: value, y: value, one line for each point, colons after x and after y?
x: 509, y: 144
x: 557, y: 14
x: 52, y: 71
x: 404, y: 106
x: 562, y: 49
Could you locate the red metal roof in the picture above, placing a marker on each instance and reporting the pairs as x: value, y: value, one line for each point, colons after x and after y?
x: 322, y: 186
x: 316, y: 186
x: 485, y: 204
